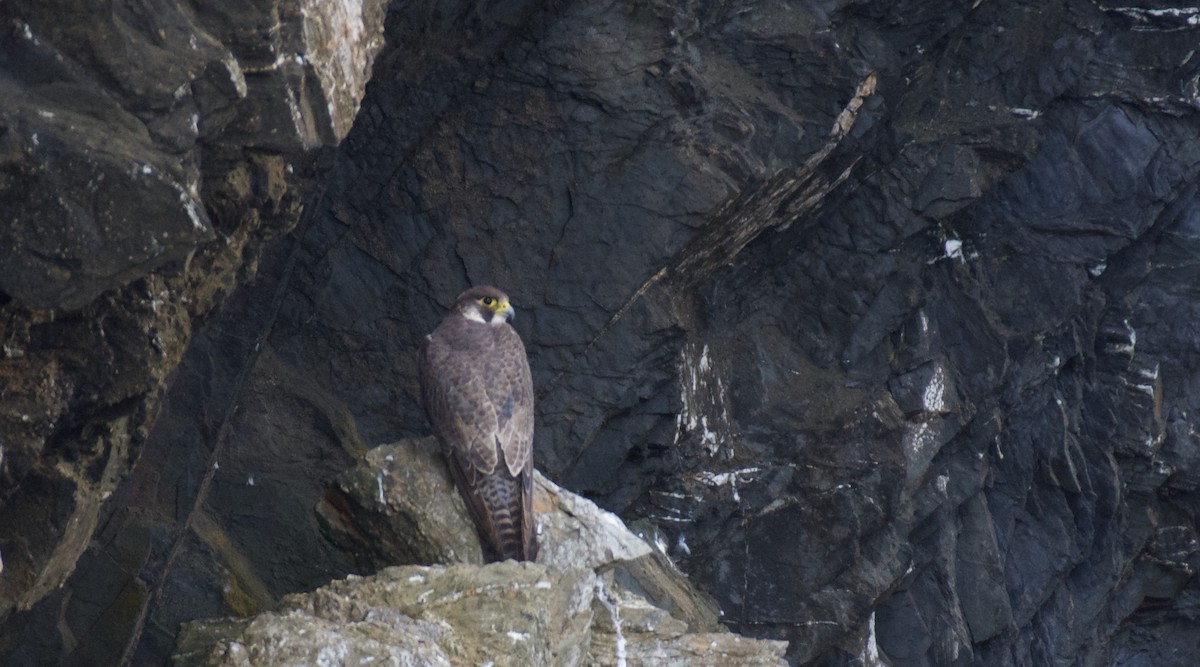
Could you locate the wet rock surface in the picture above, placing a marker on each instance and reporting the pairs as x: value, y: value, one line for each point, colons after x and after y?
x: 875, y: 316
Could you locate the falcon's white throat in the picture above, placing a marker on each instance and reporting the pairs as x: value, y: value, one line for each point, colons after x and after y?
x: 473, y: 315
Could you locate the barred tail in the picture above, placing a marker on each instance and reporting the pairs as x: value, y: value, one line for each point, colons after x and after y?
x: 508, y: 504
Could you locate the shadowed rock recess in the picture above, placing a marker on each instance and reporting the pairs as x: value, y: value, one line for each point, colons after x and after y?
x: 877, y: 318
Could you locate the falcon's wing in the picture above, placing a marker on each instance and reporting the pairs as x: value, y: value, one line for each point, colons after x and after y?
x: 515, y: 437
x: 482, y: 411
x: 458, y: 405
x: 512, y: 391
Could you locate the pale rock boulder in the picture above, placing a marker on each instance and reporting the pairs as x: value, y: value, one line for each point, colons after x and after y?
x: 598, y: 595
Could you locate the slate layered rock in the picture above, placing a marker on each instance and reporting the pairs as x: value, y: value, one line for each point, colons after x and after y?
x: 863, y: 373
x: 146, y: 154
x: 506, y: 613
x: 399, y: 506
x: 631, y: 631
x: 298, y: 638
x: 598, y: 594
x: 951, y: 365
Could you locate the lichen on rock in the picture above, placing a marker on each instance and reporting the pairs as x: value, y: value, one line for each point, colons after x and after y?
x: 598, y: 595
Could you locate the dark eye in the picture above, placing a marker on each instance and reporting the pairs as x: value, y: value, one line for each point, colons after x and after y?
x: 487, y: 300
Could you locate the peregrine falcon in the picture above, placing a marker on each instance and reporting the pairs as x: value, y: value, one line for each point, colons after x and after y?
x: 478, y: 394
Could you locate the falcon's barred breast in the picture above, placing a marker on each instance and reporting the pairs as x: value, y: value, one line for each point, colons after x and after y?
x: 478, y: 394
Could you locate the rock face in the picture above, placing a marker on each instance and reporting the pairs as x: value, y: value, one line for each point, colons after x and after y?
x: 147, y: 151
x: 398, y: 505
x: 417, y: 615
x: 504, y: 614
x: 876, y: 315
x: 598, y: 594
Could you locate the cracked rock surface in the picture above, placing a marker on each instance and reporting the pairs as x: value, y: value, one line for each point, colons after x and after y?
x: 148, y: 152
x: 598, y: 595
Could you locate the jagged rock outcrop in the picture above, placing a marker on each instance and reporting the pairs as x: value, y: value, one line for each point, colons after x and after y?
x: 503, y: 614
x: 147, y: 151
x: 598, y: 595
x: 508, y: 614
x: 399, y: 506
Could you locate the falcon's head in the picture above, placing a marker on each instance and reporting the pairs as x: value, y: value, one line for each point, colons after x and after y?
x: 484, y: 304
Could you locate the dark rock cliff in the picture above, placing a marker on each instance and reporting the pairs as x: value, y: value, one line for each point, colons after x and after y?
x: 149, y: 151
x: 878, y: 312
